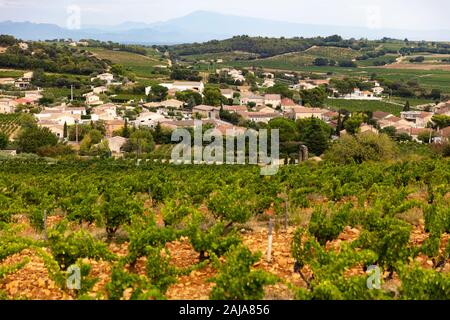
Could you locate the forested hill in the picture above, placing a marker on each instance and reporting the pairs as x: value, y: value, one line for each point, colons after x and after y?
x: 263, y: 46
x: 49, y: 57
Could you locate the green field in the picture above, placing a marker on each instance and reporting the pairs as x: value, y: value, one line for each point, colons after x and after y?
x: 11, y: 73
x: 363, y: 105
x: 9, y: 123
x: 370, y: 62
x: 140, y: 65
x: 298, y: 60
x: 225, y: 56
x: 429, y: 79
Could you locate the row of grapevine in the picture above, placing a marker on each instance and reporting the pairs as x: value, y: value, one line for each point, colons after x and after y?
x: 208, y: 205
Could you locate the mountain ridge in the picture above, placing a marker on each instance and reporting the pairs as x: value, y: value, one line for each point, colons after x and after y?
x: 200, y: 26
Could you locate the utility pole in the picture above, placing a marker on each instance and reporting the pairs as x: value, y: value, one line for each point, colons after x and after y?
x: 71, y: 93
x: 76, y: 131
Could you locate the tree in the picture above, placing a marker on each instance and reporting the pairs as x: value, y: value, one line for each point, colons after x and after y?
x: 191, y: 98
x: 347, y: 64
x: 390, y: 131
x: 288, y: 129
x: 320, y: 62
x: 180, y: 73
x: 362, y: 147
x: 407, y: 107
x: 141, y: 141
x: 158, y: 93
x: 33, y: 138
x: 65, y: 131
x: 213, y: 97
x: 4, y: 140
x: 315, y: 97
x: 126, y: 130
x: 282, y: 89
x: 353, y: 123
x: 440, y: 121
x: 436, y: 94
x: 118, y: 69
x: 315, y: 133
x: 426, y: 136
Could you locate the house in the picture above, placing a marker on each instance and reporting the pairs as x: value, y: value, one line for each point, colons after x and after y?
x: 197, y: 86
x: 148, y: 119
x: 378, y: 90
x: 272, y: 99
x: 416, y: 132
x: 442, y: 108
x: 227, y: 93
x: 115, y: 144
x: 99, y: 90
x: 420, y: 118
x: 21, y: 84
x: 329, y: 115
x: 107, y: 77
x: 396, y: 122
x: 236, y: 75
x: 176, y: 124
x: 76, y: 110
x: 7, y: 105
x: 305, y: 85
x: 444, y: 134
x: 28, y: 76
x: 268, y: 83
x: 113, y: 125
x: 23, y: 45
x: 235, y: 109
x: 33, y: 95
x: 250, y: 97
x: 259, y: 116
x: 209, y: 112
x: 357, y: 94
x: 25, y: 101
x: 57, y: 116
x: 368, y: 128
x: 303, y: 112
x: 106, y: 111
x: 92, y: 99
x: 56, y: 128
x: 264, y: 109
x: 170, y: 104
x: 364, y: 128
x: 380, y: 115
x: 287, y: 104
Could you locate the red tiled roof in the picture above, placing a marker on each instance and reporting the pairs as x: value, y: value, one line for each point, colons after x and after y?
x: 287, y: 102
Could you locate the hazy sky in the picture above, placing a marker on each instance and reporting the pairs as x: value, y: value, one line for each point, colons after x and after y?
x: 399, y: 14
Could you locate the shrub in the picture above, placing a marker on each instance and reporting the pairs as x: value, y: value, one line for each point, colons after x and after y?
x: 68, y: 249
x: 236, y: 280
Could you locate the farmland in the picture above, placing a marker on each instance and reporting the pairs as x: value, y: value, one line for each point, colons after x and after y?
x: 9, y: 124
x: 364, y: 105
x: 142, y: 66
x: 161, y: 230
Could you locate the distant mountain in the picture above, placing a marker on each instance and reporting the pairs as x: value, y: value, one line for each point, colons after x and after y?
x: 202, y: 26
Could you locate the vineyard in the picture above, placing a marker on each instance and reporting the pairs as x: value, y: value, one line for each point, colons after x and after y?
x: 9, y: 123
x: 157, y: 231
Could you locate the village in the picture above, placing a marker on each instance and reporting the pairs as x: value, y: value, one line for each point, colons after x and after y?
x: 171, y: 113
